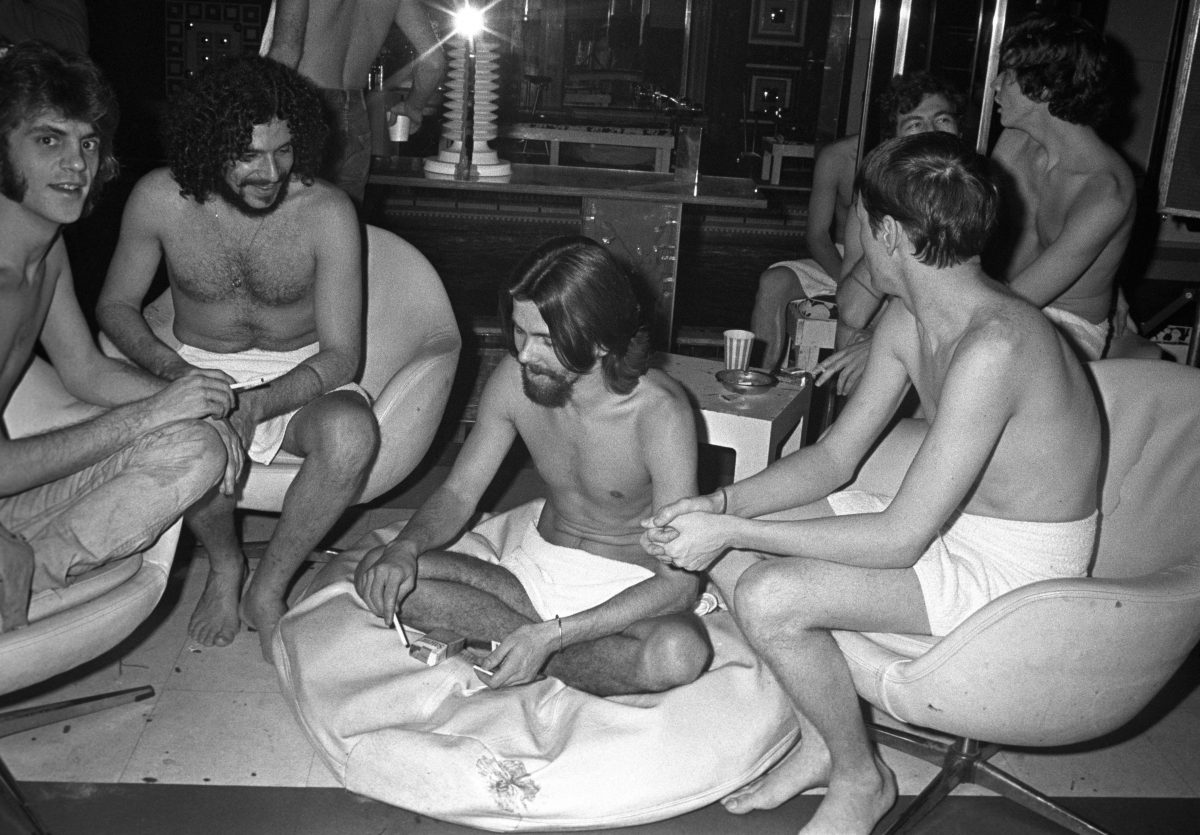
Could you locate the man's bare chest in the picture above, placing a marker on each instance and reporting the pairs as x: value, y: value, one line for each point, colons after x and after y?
x: 268, y: 269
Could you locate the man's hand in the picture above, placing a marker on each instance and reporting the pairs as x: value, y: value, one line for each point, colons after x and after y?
x: 521, y: 655
x: 693, y: 542
x: 847, y: 365
x: 712, y: 503
x: 202, y: 393
x: 385, y: 576
x: 16, y: 577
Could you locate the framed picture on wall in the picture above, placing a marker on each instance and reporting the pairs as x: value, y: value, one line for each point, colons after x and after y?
x: 770, y: 94
x: 778, y: 22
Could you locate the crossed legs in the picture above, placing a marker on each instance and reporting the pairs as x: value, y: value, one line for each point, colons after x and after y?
x: 786, y: 608
x: 338, y: 437
x: 484, y: 601
x: 776, y: 287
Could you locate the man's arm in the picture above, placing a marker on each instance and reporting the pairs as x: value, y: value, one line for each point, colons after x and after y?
x: 287, y: 37
x: 1093, y: 220
x: 430, y: 65
x: 971, y: 416
x: 130, y: 274
x: 822, y: 207
x: 29, y: 462
x: 387, y: 574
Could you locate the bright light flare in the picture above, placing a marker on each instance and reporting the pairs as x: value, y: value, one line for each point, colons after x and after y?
x: 468, y: 21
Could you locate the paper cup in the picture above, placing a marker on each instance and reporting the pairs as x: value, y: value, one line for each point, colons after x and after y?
x: 398, y: 126
x: 737, y: 349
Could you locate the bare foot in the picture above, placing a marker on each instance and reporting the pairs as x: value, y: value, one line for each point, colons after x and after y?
x: 262, y: 614
x: 854, y: 803
x: 215, y: 622
x: 805, y: 767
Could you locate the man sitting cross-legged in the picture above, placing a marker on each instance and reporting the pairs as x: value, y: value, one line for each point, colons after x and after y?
x: 266, y: 278
x: 1001, y: 493
x: 569, y: 589
x: 75, y: 497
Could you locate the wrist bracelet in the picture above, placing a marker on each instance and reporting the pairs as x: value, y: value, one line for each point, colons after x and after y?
x: 558, y: 620
x: 724, y: 501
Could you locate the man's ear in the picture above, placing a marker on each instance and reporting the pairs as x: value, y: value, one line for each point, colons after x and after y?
x: 891, y: 234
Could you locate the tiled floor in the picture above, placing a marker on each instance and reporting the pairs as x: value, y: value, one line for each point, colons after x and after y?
x: 218, y: 718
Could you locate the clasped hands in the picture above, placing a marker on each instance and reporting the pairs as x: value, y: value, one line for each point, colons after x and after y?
x: 691, y: 533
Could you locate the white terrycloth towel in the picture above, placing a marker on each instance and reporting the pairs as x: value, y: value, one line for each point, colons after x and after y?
x: 975, y: 559
x: 249, y: 365
x: 1088, y: 337
x: 559, y: 581
x: 813, y: 280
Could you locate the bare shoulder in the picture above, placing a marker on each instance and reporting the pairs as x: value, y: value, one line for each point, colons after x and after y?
x: 660, y: 389
x: 318, y: 197
x: 158, y: 193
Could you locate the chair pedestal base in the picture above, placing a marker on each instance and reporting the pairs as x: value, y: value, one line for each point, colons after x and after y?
x: 24, y: 719
x: 966, y: 761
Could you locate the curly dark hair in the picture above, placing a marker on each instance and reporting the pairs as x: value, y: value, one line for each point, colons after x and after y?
x: 939, y: 190
x: 588, y: 302
x: 211, y: 121
x: 36, y: 78
x: 1061, y: 60
x: 906, y: 92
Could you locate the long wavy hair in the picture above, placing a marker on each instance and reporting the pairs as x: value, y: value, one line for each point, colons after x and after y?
x: 939, y: 190
x: 36, y: 78
x: 211, y: 121
x: 588, y: 302
x: 1064, y: 61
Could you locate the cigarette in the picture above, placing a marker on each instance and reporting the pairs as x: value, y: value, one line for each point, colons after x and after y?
x: 484, y: 670
x: 400, y: 629
x: 252, y: 384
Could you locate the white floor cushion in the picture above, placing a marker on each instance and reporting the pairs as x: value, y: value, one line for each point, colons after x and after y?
x: 539, y: 756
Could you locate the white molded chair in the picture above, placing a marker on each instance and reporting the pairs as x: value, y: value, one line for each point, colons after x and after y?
x: 70, y: 626
x: 1059, y: 662
x: 411, y: 355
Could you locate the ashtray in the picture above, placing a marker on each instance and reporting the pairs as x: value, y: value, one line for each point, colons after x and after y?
x: 745, y: 382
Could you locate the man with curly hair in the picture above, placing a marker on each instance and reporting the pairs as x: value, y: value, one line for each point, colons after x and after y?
x: 561, y: 584
x: 119, y: 467
x: 1069, y: 197
x: 912, y: 103
x: 265, y: 276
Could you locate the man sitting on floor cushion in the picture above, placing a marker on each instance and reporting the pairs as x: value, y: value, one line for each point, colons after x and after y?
x: 564, y: 585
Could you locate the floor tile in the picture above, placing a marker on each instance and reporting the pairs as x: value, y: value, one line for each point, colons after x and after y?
x: 87, y: 749
x: 247, y: 738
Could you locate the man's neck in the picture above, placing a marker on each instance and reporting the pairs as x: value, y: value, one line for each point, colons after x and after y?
x: 939, y: 297
x: 26, y: 238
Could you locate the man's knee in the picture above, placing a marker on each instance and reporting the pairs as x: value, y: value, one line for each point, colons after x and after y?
x: 675, y: 653
x: 347, y: 434
x: 194, y: 453
x: 765, y: 599
x: 778, y: 285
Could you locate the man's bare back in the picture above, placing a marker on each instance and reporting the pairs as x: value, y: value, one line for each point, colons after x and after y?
x: 1087, y: 184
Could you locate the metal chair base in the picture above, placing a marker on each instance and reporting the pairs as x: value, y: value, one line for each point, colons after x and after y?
x: 966, y: 761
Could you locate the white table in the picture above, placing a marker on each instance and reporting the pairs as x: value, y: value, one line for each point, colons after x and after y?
x: 759, y: 428
x: 775, y: 151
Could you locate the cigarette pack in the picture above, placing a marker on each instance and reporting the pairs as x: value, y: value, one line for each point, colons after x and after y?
x: 436, y: 645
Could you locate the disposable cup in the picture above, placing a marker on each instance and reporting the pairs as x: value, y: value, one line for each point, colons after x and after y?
x: 737, y: 349
x: 398, y: 126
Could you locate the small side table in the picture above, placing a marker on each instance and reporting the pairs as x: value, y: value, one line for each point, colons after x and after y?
x: 759, y: 428
x: 775, y: 151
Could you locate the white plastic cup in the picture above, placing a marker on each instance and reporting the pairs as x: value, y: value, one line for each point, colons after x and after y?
x: 737, y: 349
x: 398, y: 127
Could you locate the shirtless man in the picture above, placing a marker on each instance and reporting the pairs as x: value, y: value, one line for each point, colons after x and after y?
x: 109, y: 483
x: 1069, y: 197
x: 563, y: 584
x: 334, y: 43
x: 999, y: 466
x: 913, y: 103
x: 266, y: 279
